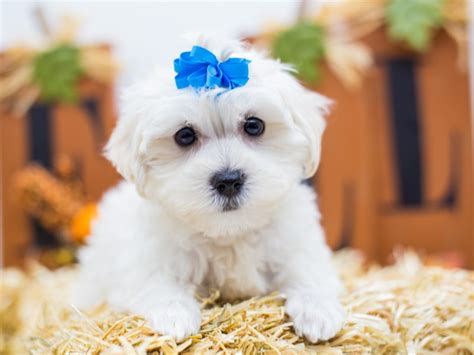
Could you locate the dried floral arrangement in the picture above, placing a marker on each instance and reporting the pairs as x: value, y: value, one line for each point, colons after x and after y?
x: 51, y: 72
x: 334, y: 34
x: 405, y: 308
x: 58, y: 206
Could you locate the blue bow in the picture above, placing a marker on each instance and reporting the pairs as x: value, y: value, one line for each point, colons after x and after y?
x: 199, y: 68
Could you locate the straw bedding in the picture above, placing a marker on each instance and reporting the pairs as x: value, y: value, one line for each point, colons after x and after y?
x: 406, y: 308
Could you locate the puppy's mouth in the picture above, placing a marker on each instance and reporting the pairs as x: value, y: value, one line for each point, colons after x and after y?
x: 230, y: 204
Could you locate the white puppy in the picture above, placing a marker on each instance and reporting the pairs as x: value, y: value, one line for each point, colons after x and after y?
x: 214, y: 198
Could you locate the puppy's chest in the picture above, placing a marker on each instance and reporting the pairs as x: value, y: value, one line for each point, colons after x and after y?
x: 237, y: 271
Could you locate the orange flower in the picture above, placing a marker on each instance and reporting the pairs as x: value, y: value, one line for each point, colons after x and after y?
x: 80, y: 225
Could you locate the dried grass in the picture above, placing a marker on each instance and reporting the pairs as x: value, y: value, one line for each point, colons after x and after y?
x: 406, y: 308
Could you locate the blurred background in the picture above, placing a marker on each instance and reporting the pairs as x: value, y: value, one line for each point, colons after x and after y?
x: 397, y: 165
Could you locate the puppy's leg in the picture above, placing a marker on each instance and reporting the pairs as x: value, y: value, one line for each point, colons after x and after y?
x: 170, y: 308
x: 311, y: 286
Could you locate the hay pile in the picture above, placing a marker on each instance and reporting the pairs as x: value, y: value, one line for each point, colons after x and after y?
x: 404, y: 308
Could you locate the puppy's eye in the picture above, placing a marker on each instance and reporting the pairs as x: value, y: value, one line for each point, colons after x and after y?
x: 185, y: 137
x: 254, y: 126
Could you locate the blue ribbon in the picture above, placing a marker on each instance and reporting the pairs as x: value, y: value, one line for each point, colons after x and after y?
x: 199, y: 68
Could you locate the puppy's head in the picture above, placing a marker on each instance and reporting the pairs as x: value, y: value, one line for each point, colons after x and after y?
x: 220, y: 160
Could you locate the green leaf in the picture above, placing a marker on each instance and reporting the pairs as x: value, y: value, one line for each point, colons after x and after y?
x: 413, y: 21
x: 57, y: 72
x: 303, y: 46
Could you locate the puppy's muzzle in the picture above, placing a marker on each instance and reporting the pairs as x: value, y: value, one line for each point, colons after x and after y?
x: 228, y: 183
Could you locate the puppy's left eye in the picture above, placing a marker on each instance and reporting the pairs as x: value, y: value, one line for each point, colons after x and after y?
x: 185, y: 137
x: 254, y: 126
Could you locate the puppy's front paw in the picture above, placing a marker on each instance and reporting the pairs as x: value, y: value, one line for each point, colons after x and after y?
x: 177, y: 318
x: 315, y: 317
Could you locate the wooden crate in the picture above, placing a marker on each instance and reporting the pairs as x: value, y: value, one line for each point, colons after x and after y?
x: 43, y: 135
x: 397, y: 155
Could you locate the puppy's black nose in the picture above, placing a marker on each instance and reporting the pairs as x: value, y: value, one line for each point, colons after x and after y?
x: 228, y: 182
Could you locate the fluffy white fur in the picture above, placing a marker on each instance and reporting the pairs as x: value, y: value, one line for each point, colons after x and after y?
x: 162, y: 235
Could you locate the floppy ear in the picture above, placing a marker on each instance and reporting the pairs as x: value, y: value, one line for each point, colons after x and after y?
x: 310, y: 118
x: 125, y: 149
x: 308, y: 110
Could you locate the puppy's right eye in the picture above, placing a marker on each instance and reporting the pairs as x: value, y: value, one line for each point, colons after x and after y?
x: 185, y: 137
